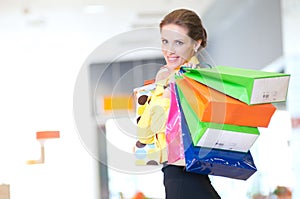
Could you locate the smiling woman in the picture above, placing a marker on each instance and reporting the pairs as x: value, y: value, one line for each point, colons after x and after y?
x: 182, y: 35
x: 177, y: 46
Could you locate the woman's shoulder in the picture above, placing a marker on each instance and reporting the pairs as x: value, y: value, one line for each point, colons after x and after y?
x: 163, y: 69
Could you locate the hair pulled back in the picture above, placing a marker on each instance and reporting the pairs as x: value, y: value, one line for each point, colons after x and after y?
x: 188, y: 19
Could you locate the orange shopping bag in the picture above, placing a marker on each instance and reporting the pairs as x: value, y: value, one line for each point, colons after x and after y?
x: 213, y: 106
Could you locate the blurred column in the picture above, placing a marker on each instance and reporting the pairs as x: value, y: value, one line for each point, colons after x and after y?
x: 291, y: 38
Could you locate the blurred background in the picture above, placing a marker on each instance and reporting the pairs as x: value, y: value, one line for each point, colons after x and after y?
x: 48, y: 57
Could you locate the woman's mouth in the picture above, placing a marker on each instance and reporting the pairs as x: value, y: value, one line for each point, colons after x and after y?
x: 173, y: 59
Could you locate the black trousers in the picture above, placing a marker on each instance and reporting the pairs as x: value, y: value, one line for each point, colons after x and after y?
x: 180, y: 184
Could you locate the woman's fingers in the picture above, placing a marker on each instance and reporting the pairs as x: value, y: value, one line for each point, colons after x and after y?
x: 191, y: 65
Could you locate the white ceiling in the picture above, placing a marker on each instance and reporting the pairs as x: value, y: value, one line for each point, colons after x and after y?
x: 111, y: 15
x: 99, y: 20
x: 93, y: 21
x: 134, y: 13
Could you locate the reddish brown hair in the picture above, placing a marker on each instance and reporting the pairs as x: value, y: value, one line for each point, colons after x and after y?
x: 188, y: 19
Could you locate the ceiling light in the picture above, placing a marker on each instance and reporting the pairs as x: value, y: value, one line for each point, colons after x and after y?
x: 93, y: 9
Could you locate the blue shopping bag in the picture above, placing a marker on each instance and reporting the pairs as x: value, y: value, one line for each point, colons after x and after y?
x: 215, y: 162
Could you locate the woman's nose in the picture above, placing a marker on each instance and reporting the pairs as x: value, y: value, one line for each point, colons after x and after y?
x: 170, y: 49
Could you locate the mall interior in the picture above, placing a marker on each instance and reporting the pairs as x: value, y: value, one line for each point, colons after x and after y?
x: 61, y: 59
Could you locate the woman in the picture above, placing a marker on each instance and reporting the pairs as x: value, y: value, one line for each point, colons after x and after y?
x: 182, y: 35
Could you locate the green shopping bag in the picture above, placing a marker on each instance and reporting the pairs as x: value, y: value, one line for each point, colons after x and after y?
x: 246, y: 85
x: 216, y: 135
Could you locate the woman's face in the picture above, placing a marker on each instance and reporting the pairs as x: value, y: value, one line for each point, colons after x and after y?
x: 177, y: 46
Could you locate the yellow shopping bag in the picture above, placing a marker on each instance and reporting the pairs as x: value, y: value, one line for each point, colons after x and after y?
x: 152, y: 112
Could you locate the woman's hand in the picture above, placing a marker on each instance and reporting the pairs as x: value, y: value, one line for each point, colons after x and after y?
x: 191, y: 65
x: 166, y: 92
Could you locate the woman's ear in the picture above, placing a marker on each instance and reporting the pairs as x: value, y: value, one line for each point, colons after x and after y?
x: 197, y: 45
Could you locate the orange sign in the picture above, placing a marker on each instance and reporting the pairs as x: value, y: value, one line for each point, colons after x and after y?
x: 118, y: 103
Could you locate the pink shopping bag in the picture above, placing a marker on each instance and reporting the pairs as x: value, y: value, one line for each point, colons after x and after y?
x: 173, y: 130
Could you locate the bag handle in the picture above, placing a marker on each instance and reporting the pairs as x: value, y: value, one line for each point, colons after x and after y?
x: 183, y: 69
x: 204, y: 64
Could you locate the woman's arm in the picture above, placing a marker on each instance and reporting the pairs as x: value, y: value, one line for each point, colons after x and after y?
x: 162, y: 74
x: 163, y: 77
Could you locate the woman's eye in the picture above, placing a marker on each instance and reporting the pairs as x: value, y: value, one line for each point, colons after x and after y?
x: 164, y: 41
x: 179, y: 43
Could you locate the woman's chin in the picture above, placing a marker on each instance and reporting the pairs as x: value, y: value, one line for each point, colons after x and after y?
x: 173, y: 65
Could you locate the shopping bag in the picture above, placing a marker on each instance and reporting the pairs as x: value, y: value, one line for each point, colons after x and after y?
x: 151, y: 115
x: 246, y: 85
x: 142, y: 96
x: 215, y: 162
x: 153, y: 153
x: 216, y: 135
x: 211, y: 105
x: 173, y: 130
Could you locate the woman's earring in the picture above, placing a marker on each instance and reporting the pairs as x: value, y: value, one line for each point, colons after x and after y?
x: 196, y: 47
